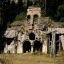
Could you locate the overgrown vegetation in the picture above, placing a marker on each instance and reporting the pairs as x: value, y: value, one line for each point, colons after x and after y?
x: 13, y: 11
x: 32, y: 58
x: 21, y: 16
x: 60, y: 13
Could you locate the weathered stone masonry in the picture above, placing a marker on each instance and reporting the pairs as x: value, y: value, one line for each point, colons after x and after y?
x: 32, y: 39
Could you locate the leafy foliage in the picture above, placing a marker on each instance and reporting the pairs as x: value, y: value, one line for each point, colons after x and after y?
x: 52, y: 6
x: 12, y: 10
x: 60, y: 12
x: 21, y: 16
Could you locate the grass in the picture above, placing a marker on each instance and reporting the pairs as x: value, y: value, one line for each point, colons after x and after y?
x: 31, y: 59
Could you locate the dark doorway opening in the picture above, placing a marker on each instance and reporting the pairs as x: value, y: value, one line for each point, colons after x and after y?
x: 3, y: 42
x: 49, y: 43
x: 58, y: 42
x: 35, y: 17
x: 32, y: 36
x: 26, y: 47
x: 28, y: 17
x: 37, y: 46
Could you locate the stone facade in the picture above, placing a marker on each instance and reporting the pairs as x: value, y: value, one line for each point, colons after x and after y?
x: 32, y: 39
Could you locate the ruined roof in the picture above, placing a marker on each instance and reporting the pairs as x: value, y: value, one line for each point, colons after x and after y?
x: 10, y: 33
x: 33, y: 10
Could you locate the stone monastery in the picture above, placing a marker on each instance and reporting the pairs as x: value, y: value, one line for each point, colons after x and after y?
x: 34, y: 35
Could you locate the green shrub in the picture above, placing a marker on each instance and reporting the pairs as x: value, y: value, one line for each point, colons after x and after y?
x: 21, y: 16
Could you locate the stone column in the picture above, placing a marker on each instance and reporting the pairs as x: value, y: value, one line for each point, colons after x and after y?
x: 39, y: 20
x: 19, y: 36
x: 59, y: 43
x: 53, y: 49
x: 31, y: 22
x: 39, y: 17
x: 62, y: 41
x: 32, y: 46
x: 44, y: 47
x: 21, y: 48
x: 54, y: 44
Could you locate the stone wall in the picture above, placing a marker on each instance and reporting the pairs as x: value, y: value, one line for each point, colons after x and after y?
x: 10, y: 48
x: 32, y: 36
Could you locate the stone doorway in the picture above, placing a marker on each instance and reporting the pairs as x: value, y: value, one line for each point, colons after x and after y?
x: 37, y: 46
x: 26, y: 47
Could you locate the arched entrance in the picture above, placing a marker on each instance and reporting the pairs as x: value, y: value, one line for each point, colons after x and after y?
x: 28, y: 17
x: 35, y: 17
x: 37, y: 46
x: 32, y: 36
x: 26, y: 46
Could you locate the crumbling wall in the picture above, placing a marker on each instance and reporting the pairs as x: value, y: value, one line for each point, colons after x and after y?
x: 10, y: 48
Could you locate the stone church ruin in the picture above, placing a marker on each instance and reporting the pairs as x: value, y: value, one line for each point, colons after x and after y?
x: 34, y: 36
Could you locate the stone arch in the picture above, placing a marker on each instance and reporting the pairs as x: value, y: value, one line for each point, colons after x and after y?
x: 26, y: 46
x: 8, y: 51
x: 31, y: 36
x: 35, y: 16
x: 37, y: 46
x: 38, y: 15
x: 28, y: 16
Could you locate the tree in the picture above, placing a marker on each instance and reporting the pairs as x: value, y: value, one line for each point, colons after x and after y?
x: 19, y: 6
x: 52, y: 6
x: 60, y: 13
x: 29, y: 3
